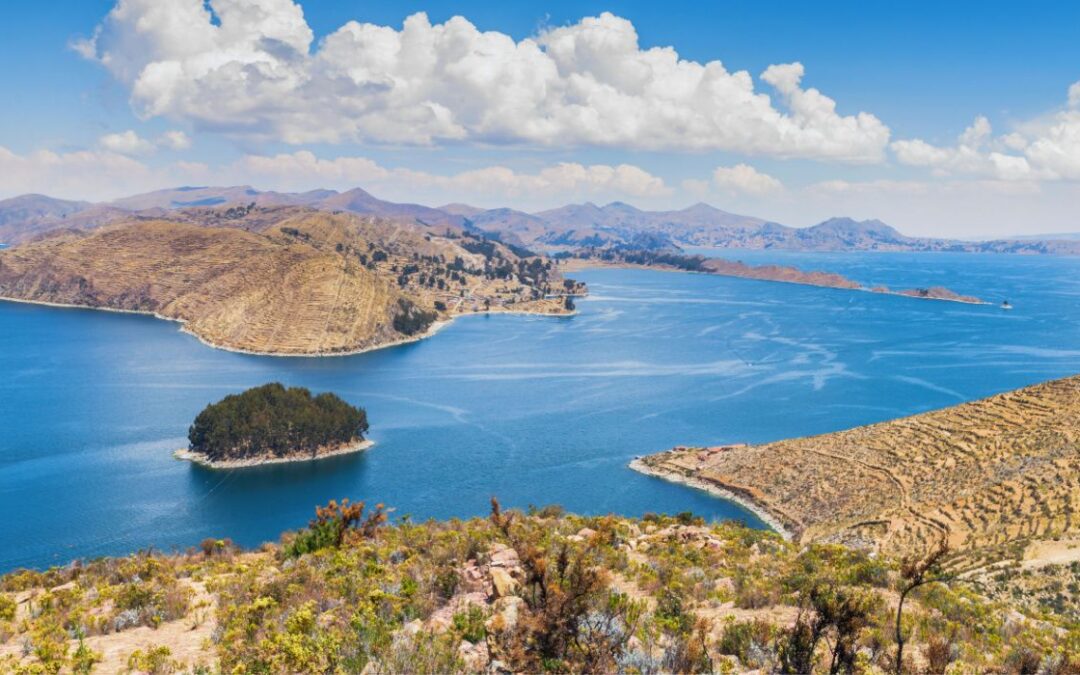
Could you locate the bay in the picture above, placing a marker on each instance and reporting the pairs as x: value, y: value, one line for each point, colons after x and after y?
x: 535, y: 410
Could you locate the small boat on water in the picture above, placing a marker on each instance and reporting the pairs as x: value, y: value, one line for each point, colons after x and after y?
x: 1005, y: 304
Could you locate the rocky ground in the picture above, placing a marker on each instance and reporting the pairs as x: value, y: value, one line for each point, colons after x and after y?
x: 513, y: 593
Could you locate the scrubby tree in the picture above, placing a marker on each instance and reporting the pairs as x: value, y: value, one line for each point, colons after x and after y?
x: 916, y: 572
x: 411, y: 319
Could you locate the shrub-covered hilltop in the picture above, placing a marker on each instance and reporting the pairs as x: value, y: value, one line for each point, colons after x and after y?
x: 516, y: 592
x: 274, y: 422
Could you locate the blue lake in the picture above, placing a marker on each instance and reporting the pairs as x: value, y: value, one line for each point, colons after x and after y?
x: 535, y: 410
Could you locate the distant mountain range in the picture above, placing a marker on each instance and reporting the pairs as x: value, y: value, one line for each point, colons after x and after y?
x: 1062, y: 236
x: 575, y: 225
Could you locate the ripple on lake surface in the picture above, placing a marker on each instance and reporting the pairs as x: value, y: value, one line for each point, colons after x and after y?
x: 535, y: 410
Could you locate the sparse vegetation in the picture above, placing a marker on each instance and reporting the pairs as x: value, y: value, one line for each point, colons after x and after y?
x: 537, y: 592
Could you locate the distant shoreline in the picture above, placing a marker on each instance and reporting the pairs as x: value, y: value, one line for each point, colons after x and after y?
x: 580, y: 264
x: 204, y: 461
x: 434, y: 328
x: 757, y: 509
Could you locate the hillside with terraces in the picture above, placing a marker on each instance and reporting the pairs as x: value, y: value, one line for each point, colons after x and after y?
x: 288, y: 280
x: 993, y: 479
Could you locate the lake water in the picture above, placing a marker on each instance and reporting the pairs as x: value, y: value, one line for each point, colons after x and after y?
x: 535, y: 410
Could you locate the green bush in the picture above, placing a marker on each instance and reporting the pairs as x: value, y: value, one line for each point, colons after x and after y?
x: 747, y: 640
x: 7, y: 608
x: 470, y: 624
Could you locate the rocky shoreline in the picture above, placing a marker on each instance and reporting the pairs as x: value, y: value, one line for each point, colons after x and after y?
x: 758, y: 510
x: 204, y: 461
x: 434, y: 328
x: 781, y: 274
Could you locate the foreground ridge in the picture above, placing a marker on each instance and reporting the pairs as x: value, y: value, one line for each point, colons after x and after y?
x: 513, y: 593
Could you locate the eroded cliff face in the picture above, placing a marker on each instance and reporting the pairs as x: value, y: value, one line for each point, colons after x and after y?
x: 308, y: 283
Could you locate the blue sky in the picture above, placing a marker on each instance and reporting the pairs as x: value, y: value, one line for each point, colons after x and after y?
x: 906, y: 80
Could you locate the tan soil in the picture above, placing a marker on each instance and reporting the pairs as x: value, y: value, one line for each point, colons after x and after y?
x: 980, y: 474
x: 296, y: 286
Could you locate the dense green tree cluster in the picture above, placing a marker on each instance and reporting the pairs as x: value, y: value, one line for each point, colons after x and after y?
x: 411, y: 319
x: 484, y: 247
x: 690, y: 263
x: 274, y: 420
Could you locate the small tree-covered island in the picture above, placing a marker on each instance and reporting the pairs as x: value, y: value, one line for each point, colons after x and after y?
x: 272, y: 423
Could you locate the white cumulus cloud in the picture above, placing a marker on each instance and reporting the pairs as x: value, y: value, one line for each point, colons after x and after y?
x: 1074, y: 95
x: 174, y: 140
x: 973, y: 154
x: 126, y: 143
x: 251, y: 68
x: 302, y: 169
x: 130, y: 143
x: 745, y: 179
x: 1047, y: 148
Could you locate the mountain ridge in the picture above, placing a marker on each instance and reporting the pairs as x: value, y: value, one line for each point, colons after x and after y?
x: 587, y: 224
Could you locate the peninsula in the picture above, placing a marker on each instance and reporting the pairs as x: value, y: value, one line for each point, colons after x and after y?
x: 286, y: 280
x: 676, y: 261
x: 271, y: 424
x: 981, y: 475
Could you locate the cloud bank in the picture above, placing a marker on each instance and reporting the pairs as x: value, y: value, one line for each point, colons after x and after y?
x: 568, y: 179
x: 130, y: 143
x: 111, y: 171
x: 743, y: 178
x: 252, y: 69
x: 1047, y: 148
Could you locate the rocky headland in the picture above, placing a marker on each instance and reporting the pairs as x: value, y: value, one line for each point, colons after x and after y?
x: 285, y: 281
x: 982, y: 476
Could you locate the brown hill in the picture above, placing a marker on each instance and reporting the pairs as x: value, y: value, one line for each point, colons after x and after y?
x: 359, y: 201
x: 310, y: 283
x: 981, y: 475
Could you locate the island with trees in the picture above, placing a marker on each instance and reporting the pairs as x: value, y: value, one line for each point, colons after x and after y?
x: 272, y: 423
